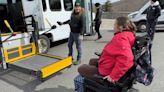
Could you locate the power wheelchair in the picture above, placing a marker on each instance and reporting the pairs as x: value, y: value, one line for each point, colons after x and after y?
x: 126, y: 82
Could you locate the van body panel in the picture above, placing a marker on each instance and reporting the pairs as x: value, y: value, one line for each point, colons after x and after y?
x: 140, y: 16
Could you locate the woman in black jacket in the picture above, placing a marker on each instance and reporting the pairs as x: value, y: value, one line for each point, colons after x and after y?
x: 98, y: 20
x: 153, y: 12
x: 77, y: 25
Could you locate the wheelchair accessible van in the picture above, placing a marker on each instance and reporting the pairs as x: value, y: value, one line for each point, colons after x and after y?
x: 82, y: 84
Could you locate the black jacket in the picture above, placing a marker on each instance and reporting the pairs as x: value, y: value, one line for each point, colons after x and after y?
x: 98, y: 15
x: 153, y: 12
x: 77, y: 23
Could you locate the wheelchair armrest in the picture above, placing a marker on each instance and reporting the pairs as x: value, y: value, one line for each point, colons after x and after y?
x: 105, y: 81
x: 98, y: 76
x: 98, y: 54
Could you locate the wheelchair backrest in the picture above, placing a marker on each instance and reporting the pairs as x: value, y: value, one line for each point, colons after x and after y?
x: 141, y: 44
x: 143, y: 72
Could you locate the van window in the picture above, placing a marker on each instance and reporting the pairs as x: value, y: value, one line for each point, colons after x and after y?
x: 161, y: 3
x: 68, y: 5
x: 18, y: 1
x: 4, y: 16
x: 145, y: 11
x: 3, y: 1
x: 13, y: 14
x: 44, y: 5
x: 55, y: 5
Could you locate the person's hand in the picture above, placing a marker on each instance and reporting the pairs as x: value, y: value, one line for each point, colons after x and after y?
x: 53, y: 27
x: 81, y: 37
x: 59, y: 23
x: 109, y: 79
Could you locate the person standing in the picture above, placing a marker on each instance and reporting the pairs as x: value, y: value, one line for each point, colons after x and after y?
x: 98, y: 20
x: 77, y: 25
x: 153, y: 12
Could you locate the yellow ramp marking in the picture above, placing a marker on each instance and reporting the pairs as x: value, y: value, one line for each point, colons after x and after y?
x: 57, y: 66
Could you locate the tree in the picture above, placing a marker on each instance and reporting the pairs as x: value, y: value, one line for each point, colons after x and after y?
x: 107, y: 6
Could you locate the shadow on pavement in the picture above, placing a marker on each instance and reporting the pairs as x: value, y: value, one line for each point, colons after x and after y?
x: 59, y: 89
x: 133, y: 90
x: 100, y: 41
x: 28, y: 83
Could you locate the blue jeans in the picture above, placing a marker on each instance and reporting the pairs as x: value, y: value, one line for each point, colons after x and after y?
x: 74, y: 37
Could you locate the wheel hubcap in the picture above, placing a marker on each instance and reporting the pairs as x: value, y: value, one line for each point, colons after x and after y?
x: 143, y: 28
x: 42, y: 45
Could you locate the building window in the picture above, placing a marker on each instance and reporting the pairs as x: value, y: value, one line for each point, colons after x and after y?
x: 68, y: 5
x: 55, y: 5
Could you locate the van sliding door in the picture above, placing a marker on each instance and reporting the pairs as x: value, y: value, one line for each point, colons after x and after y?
x: 58, y: 10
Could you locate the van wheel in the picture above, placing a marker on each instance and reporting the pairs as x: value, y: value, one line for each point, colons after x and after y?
x: 44, y: 44
x: 142, y: 27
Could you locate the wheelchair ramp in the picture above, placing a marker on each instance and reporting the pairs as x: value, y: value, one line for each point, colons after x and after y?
x: 25, y: 57
x: 36, y: 62
x: 46, y: 66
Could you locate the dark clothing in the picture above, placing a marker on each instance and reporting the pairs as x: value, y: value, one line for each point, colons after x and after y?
x: 74, y: 37
x: 151, y: 28
x: 98, y: 15
x: 97, y: 28
x: 153, y: 13
x: 89, y: 70
x: 98, y: 21
x: 77, y: 23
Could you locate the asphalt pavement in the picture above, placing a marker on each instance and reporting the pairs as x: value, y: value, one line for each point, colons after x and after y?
x: 17, y: 81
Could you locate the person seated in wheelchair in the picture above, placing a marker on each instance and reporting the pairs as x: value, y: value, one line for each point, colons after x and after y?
x: 117, y: 56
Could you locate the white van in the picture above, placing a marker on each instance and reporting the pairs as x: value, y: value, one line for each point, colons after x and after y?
x: 139, y: 17
x: 52, y: 10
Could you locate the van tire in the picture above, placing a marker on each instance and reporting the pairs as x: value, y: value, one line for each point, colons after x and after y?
x: 44, y: 44
x: 141, y: 26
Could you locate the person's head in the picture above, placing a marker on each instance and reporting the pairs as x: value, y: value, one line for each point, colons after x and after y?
x: 77, y: 7
x: 97, y: 5
x: 153, y: 1
x: 124, y: 24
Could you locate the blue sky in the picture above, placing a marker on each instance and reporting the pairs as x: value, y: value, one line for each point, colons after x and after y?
x: 102, y: 1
